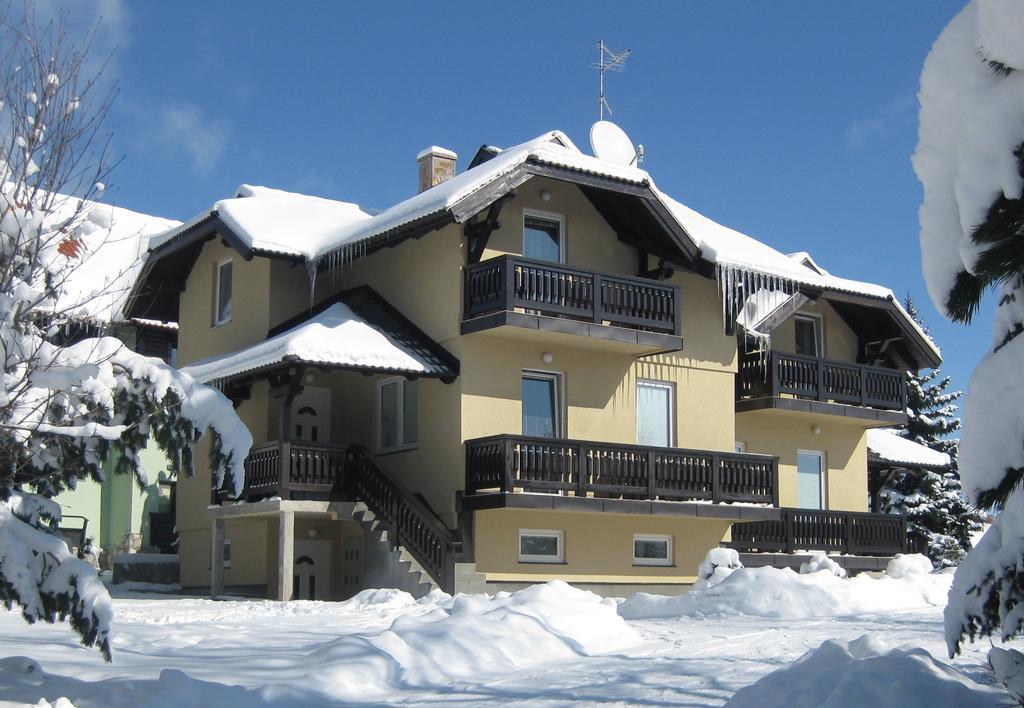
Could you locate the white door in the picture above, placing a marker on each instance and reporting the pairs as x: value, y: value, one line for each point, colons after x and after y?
x: 810, y: 479
x: 311, y: 415
x: 654, y: 413
x: 312, y: 570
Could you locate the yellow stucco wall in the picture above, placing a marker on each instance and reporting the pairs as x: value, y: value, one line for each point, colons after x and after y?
x: 782, y: 433
x: 840, y: 341
x: 250, y: 305
x: 598, y: 546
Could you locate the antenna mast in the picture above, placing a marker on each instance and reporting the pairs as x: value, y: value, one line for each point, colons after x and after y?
x: 607, y: 60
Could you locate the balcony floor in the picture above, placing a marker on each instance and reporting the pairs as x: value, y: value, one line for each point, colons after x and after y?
x: 522, y: 325
x: 557, y: 502
x: 867, y: 417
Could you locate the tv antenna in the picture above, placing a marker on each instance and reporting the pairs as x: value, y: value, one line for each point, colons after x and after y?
x: 607, y: 61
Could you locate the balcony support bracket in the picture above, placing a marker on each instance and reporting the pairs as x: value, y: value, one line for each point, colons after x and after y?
x: 479, y: 232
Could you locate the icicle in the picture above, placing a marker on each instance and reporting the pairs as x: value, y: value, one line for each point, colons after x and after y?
x: 311, y: 267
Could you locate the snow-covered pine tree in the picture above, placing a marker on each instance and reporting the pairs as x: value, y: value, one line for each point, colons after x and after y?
x: 938, y: 517
x: 970, y: 160
x: 70, y: 398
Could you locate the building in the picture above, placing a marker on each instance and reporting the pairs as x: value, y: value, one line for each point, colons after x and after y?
x: 539, y: 367
x: 116, y: 514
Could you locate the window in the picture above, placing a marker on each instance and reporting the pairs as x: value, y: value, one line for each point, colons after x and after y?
x: 741, y: 446
x: 654, y: 408
x: 808, y: 335
x: 227, y: 552
x: 397, y: 413
x: 541, y: 546
x: 810, y: 479
x: 542, y: 404
x: 543, y: 237
x: 652, y: 550
x: 222, y: 294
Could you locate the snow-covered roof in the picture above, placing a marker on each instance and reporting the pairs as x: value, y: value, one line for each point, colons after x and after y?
x: 292, y: 224
x: 334, y: 337
x: 277, y: 222
x: 886, y: 445
x: 114, y: 244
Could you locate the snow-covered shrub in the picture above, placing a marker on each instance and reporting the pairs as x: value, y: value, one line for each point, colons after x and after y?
x: 718, y: 558
x: 904, y: 565
x: 821, y: 563
x: 970, y: 160
x: 70, y: 397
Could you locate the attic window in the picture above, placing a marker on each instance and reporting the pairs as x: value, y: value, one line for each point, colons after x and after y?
x: 222, y: 294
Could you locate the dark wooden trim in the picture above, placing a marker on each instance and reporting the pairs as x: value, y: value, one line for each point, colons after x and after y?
x: 614, y: 471
x: 479, y: 232
x: 848, y: 532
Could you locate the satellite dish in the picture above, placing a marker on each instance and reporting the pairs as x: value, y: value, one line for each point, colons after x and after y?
x: 611, y: 144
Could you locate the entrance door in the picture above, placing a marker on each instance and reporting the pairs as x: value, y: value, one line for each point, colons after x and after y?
x: 311, y: 415
x: 542, y: 404
x: 312, y: 570
x: 810, y: 479
x: 654, y: 413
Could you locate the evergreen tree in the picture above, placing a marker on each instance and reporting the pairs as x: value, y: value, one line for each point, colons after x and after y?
x: 938, y: 517
x: 970, y: 160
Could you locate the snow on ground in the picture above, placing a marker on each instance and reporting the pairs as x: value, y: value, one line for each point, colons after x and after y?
x: 548, y: 645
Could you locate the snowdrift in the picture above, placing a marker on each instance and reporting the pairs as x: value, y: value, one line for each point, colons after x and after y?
x: 784, y: 594
x: 866, y: 672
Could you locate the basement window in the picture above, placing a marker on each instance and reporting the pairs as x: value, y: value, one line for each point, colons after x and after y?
x: 541, y: 546
x: 652, y: 550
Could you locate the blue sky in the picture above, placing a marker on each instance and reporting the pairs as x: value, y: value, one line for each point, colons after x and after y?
x: 791, y: 121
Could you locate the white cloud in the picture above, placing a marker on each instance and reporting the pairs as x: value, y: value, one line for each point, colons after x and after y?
x: 185, y: 129
x: 864, y: 130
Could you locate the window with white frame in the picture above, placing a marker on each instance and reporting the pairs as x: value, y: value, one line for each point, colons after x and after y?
x: 540, y: 546
x: 222, y: 293
x: 652, y: 549
x: 227, y: 552
x: 397, y: 413
x: 808, y: 335
x: 741, y: 446
x: 543, y: 412
x: 544, y: 236
x: 655, y: 407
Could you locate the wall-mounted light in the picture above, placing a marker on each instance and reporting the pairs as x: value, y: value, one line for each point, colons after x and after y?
x: 309, y: 378
x: 313, y: 533
x: 545, y: 195
x: 547, y: 357
x: 816, y: 429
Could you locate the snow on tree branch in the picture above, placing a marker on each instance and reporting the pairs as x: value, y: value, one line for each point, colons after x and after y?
x: 970, y: 162
x: 70, y: 398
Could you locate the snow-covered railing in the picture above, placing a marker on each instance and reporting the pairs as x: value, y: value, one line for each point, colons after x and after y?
x: 510, y: 463
x: 851, y: 532
x: 821, y: 380
x: 508, y: 282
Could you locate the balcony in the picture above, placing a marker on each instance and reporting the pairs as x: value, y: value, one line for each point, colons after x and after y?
x: 613, y: 477
x: 847, y: 532
x: 528, y: 294
x: 824, y: 381
x: 294, y: 470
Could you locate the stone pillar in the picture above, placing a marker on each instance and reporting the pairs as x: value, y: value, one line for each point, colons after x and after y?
x: 285, y: 554
x: 217, y: 559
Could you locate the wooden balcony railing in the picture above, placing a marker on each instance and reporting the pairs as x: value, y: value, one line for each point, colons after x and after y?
x: 821, y: 380
x: 300, y: 470
x: 509, y: 463
x: 813, y: 530
x: 508, y: 282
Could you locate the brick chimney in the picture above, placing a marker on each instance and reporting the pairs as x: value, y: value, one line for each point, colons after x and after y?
x: 436, y: 166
